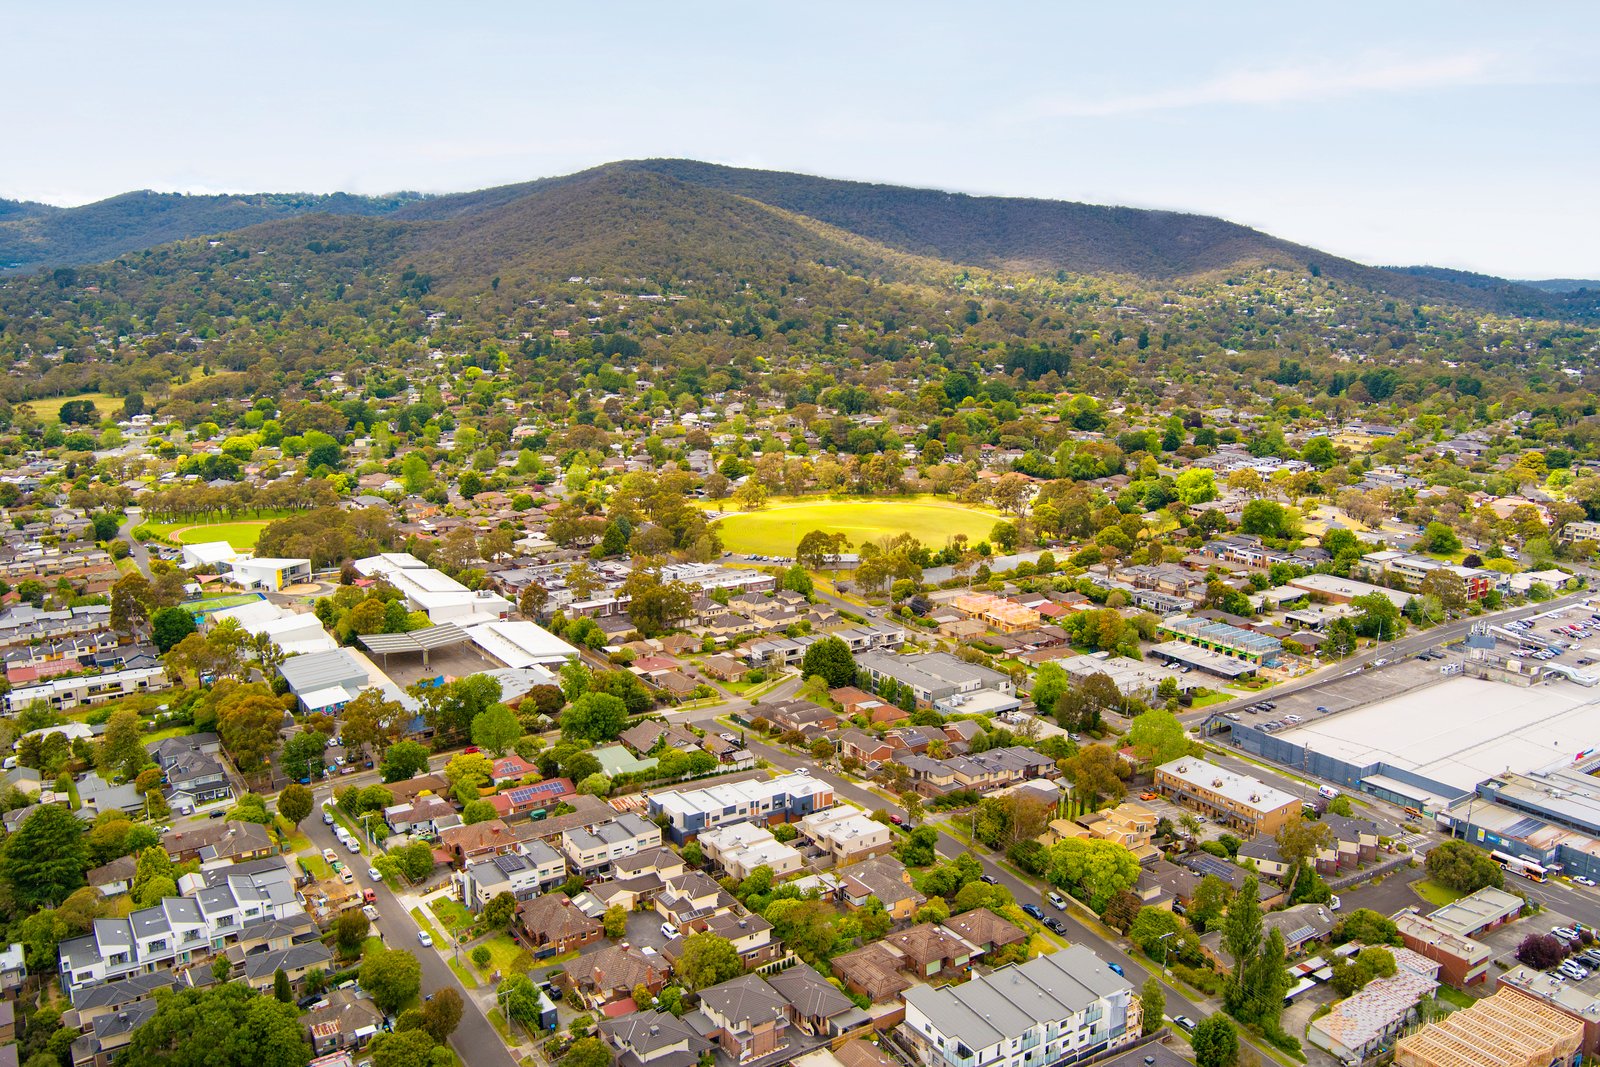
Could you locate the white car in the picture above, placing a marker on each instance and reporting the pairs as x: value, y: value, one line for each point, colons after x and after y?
x: 352, y: 845
x: 424, y: 939
x: 347, y: 876
x: 669, y: 931
x: 327, y: 817
x: 374, y: 874
x: 1581, y: 880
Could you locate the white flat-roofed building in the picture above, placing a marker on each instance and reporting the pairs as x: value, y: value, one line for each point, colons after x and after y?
x: 433, y: 592
x: 517, y: 644
x: 207, y: 555
x: 268, y: 572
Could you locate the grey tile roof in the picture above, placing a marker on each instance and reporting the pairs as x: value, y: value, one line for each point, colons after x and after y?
x: 1014, y: 999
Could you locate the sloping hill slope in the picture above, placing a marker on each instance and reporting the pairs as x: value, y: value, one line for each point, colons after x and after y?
x: 37, y: 235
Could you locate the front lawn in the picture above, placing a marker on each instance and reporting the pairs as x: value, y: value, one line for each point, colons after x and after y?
x: 452, y: 914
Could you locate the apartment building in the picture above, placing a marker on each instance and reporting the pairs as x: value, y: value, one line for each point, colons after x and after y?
x: 81, y: 691
x: 217, y: 909
x: 787, y: 798
x: 590, y: 850
x: 846, y: 834
x: 1236, y: 800
x: 1410, y: 570
x: 740, y: 848
x: 1056, y: 1009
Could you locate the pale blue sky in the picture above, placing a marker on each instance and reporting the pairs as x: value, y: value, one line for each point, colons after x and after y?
x: 1461, y: 134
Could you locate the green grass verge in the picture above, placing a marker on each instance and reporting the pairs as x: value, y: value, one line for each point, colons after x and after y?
x: 1453, y: 997
x: 1434, y: 893
x: 428, y: 927
x: 777, y: 528
x: 464, y: 972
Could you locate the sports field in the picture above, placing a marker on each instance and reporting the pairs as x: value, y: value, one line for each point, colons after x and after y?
x: 241, y: 535
x: 777, y: 529
x: 49, y: 410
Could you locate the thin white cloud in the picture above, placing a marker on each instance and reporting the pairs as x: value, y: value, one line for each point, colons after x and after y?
x: 1308, y: 81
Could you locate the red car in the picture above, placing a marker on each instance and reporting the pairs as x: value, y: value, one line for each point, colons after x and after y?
x: 470, y: 750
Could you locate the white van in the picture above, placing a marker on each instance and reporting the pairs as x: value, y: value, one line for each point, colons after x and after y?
x: 1327, y: 792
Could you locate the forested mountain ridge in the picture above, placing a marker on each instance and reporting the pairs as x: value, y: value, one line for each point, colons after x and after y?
x: 625, y: 207
x: 39, y: 235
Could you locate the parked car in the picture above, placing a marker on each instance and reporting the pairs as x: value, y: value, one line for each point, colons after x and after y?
x: 1055, y: 925
x: 374, y: 874
x: 1184, y: 1023
x: 371, y: 913
x: 330, y: 856
x: 988, y: 879
x: 1057, y: 901
x: 1115, y: 966
x: 327, y: 817
x: 347, y: 876
x: 369, y: 896
x: 1034, y: 911
x: 352, y: 845
x: 424, y: 939
x: 1334, y: 903
x: 669, y: 931
x: 1581, y: 880
x: 1149, y: 796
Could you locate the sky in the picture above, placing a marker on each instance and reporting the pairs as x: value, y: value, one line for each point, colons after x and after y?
x: 1459, y: 134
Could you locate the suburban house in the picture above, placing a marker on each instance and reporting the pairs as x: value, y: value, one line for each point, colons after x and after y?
x: 344, y: 1022
x: 884, y: 878
x: 748, y: 1019
x: 554, y: 926
x: 524, y: 873
x: 816, y: 1008
x: 641, y: 1039
x: 611, y: 973
x: 467, y: 843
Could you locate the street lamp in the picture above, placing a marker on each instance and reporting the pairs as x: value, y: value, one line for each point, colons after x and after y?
x: 1162, y: 942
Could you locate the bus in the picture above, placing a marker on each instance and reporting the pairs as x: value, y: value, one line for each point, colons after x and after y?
x: 1516, y: 865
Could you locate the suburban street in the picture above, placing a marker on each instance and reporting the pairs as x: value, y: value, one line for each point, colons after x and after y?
x: 1409, y: 645
x: 475, y: 1040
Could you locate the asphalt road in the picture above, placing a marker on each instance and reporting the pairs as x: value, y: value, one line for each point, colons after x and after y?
x: 1025, y: 890
x: 136, y: 549
x: 475, y: 1040
x: 1410, y: 645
